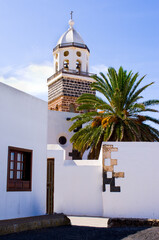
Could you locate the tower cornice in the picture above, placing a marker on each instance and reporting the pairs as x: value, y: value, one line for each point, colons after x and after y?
x: 71, y: 44
x: 70, y: 74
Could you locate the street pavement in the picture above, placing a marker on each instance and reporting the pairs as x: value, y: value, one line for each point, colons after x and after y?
x: 86, y: 228
x: 86, y: 233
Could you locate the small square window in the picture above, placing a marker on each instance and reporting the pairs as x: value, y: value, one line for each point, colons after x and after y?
x: 19, y: 169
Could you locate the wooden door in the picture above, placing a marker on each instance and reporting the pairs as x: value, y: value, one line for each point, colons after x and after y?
x: 50, y: 186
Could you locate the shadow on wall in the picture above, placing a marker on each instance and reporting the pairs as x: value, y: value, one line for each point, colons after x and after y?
x: 37, y: 207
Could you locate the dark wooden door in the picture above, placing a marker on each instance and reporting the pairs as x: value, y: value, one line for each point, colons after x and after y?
x: 50, y: 186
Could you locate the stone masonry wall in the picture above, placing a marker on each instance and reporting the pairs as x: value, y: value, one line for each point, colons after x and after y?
x: 63, y: 104
x: 68, y: 87
x: 64, y: 92
x: 55, y: 90
x: 74, y: 87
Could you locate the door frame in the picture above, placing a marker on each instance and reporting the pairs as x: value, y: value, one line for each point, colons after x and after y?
x: 50, y: 186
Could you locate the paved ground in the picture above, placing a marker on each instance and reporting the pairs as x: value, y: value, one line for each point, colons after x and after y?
x: 86, y: 233
x: 87, y: 228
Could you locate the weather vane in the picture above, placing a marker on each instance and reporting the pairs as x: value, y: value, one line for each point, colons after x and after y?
x: 71, y: 14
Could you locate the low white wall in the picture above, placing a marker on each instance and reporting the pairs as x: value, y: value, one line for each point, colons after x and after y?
x: 139, y: 194
x: 23, y: 124
x: 78, y: 184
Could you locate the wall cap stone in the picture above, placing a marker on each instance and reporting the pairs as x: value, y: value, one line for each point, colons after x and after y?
x: 132, y: 222
x: 31, y: 223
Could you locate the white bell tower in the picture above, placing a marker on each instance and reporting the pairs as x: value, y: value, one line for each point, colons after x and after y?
x: 71, y: 53
x: 71, y: 75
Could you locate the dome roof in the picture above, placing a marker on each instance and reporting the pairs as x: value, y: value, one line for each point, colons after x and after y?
x: 70, y: 36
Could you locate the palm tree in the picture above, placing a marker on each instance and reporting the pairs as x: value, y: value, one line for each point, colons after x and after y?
x: 118, y: 116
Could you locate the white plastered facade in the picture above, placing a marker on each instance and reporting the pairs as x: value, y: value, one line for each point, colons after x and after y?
x: 79, y: 184
x: 23, y: 125
x: 59, y: 58
x: 58, y: 126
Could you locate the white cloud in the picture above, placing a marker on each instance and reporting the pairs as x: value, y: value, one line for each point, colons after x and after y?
x: 99, y: 68
x: 31, y: 79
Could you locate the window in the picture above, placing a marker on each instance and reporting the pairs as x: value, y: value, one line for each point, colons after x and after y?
x: 66, y: 64
x: 19, y: 169
x: 78, y: 54
x: 78, y: 66
x: 66, y: 53
x: 62, y: 140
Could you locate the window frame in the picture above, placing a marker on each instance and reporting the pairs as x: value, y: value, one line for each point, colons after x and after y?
x: 18, y: 184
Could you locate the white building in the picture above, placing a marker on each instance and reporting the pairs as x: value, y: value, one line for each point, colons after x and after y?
x: 39, y: 170
x: 23, y: 154
x: 26, y: 128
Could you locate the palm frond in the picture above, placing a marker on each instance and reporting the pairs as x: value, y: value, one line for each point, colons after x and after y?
x: 118, y: 116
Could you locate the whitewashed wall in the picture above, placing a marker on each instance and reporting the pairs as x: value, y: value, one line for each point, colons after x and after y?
x: 23, y: 124
x: 78, y: 184
x: 139, y: 196
x: 78, y: 187
x: 58, y: 126
x: 72, y: 57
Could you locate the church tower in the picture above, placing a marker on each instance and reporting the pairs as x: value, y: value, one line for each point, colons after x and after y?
x: 71, y: 76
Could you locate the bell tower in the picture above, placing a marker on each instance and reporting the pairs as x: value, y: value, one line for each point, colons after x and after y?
x: 71, y: 76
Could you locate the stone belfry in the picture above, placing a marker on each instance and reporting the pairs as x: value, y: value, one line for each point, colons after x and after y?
x: 71, y: 76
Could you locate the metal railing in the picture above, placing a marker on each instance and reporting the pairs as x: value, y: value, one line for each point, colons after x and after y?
x: 71, y: 44
x: 70, y: 71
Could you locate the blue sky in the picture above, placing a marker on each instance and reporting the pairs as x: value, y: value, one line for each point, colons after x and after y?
x: 117, y: 32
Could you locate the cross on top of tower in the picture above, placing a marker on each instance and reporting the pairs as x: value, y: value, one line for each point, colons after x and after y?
x: 71, y: 22
x: 71, y: 13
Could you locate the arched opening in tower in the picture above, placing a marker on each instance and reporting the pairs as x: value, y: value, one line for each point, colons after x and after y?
x: 78, y: 66
x: 66, y: 64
